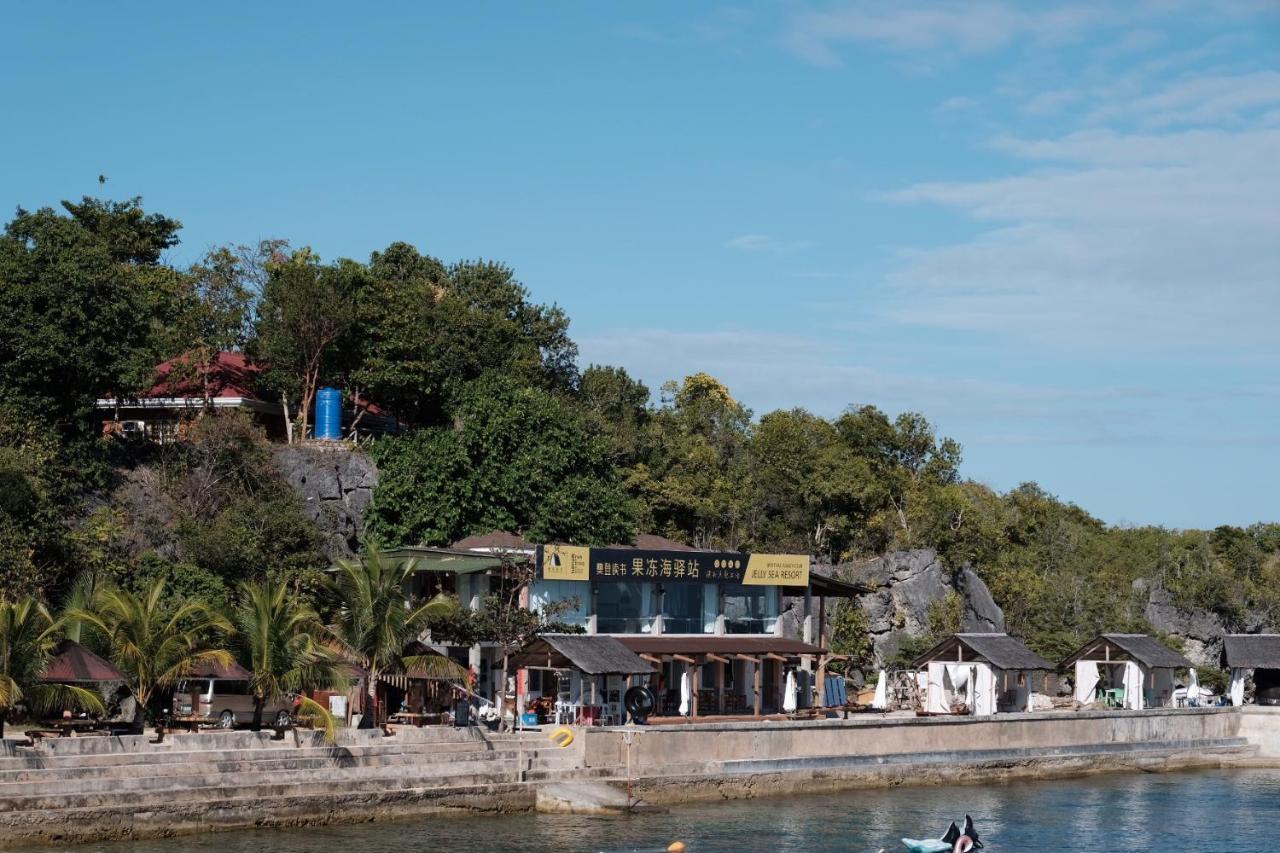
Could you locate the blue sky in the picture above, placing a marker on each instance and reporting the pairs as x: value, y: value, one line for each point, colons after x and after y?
x: 1054, y: 228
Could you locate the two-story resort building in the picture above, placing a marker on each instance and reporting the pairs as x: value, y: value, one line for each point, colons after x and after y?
x: 710, y: 625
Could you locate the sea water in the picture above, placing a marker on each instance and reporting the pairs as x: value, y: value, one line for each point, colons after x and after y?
x: 1193, y: 811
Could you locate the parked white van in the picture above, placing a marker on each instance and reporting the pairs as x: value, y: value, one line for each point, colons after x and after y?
x: 222, y: 694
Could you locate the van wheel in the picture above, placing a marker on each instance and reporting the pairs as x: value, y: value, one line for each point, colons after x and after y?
x: 227, y: 719
x: 282, y: 719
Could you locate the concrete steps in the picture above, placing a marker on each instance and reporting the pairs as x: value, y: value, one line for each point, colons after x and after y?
x: 135, y: 773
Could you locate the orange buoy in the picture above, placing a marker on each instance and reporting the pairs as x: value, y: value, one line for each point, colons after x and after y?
x: 676, y: 847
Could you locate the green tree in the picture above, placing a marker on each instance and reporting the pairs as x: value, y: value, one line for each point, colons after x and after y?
x: 79, y: 298
x: 620, y: 406
x: 281, y: 642
x: 694, y: 475
x: 375, y: 620
x: 155, y: 642
x: 306, y: 309
x: 28, y: 639
x: 516, y: 458
x: 425, y: 331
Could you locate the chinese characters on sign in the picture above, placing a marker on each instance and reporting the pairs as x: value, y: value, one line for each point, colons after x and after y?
x: 571, y: 562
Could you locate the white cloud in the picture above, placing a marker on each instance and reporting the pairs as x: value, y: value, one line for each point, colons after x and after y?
x: 764, y: 242
x: 751, y: 242
x: 1106, y: 238
x: 956, y: 104
x: 965, y: 28
x: 1050, y: 103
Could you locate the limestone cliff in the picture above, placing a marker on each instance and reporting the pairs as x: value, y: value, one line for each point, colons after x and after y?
x: 336, y: 485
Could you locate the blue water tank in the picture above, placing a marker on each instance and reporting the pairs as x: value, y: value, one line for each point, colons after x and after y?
x: 329, y: 414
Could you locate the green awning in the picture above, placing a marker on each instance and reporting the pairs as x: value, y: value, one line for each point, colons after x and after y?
x: 443, y: 559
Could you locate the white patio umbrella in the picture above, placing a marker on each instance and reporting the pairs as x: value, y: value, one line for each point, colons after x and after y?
x: 684, y: 693
x: 1193, y: 686
x: 789, y: 694
x: 881, y: 700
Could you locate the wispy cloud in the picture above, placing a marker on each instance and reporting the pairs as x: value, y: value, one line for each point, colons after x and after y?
x: 765, y: 243
x: 961, y: 28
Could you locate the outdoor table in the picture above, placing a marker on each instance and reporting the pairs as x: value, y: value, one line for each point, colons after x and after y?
x: 191, y: 723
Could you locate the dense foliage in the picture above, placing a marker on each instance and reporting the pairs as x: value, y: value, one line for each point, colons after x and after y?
x: 502, y: 430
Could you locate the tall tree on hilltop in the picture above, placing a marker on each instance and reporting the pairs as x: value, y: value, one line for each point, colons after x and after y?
x: 218, y: 305
x: 425, y: 331
x: 306, y: 310
x: 81, y: 299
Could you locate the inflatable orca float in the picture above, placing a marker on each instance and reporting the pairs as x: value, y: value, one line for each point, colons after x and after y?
x: 955, y: 840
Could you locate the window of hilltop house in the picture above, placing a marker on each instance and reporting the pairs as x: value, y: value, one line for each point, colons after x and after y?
x: 624, y: 607
x: 682, y: 608
x: 750, y: 609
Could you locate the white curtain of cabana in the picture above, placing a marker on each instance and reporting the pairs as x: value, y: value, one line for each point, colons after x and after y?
x: 1086, y: 681
x: 881, y: 700
x: 1133, y: 683
x: 1237, y: 687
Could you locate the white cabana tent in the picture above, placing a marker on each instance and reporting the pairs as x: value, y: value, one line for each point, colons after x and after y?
x: 1256, y: 655
x: 979, y: 673
x: 1135, y: 670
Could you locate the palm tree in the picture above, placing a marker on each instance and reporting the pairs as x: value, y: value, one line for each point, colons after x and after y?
x: 282, y: 642
x: 28, y: 635
x: 375, y: 620
x: 155, y: 643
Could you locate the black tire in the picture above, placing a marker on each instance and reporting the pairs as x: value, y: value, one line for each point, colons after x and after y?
x: 227, y: 719
x: 282, y: 720
x: 639, y: 702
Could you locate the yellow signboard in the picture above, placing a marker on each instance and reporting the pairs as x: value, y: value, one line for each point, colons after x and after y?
x: 566, y: 563
x: 777, y: 570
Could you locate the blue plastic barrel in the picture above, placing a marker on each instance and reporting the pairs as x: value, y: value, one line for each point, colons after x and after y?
x: 329, y: 414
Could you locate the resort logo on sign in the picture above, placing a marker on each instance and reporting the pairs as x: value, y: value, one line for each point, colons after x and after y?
x: 577, y: 563
x: 564, y: 562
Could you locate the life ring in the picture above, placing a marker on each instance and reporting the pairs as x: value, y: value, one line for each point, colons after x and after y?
x: 561, y: 737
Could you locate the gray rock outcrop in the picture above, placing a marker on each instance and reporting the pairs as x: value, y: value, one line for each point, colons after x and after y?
x: 336, y: 486
x: 1201, y: 630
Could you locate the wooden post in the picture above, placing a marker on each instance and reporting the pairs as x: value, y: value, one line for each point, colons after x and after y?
x: 758, y: 666
x: 696, y: 685
x: 720, y: 686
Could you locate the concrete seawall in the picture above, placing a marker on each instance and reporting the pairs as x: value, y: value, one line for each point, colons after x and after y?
x: 130, y: 787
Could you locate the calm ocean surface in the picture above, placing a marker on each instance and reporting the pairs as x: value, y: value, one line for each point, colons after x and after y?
x: 1198, y: 811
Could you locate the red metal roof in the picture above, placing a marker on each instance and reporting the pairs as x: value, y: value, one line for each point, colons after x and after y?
x: 654, y: 542
x: 230, y: 375
x: 74, y: 664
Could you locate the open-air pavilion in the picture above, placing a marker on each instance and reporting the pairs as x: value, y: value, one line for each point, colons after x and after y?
x: 592, y: 673
x: 1257, y: 655
x: 1132, y: 671
x: 980, y: 674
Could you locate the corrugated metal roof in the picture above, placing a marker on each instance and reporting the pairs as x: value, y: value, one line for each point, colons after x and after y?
x: 1000, y: 650
x: 1252, y: 651
x: 594, y: 654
